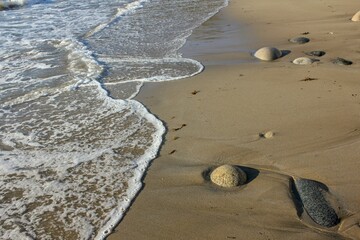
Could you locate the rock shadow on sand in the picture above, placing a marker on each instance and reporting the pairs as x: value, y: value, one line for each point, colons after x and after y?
x: 285, y: 53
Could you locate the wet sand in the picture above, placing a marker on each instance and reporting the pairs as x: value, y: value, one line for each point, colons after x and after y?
x: 219, y: 116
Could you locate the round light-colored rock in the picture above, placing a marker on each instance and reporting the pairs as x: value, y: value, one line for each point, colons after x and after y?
x: 303, y: 61
x: 356, y: 17
x: 228, y: 176
x: 268, y: 53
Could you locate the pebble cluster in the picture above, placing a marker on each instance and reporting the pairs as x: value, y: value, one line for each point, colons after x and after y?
x: 272, y: 53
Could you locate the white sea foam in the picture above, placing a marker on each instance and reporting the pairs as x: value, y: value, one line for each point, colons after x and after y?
x: 156, y: 69
x: 127, y: 9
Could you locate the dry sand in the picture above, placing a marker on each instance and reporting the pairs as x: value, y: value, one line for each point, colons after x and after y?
x: 313, y: 111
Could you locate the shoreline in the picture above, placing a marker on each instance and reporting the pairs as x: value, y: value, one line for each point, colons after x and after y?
x: 220, y: 113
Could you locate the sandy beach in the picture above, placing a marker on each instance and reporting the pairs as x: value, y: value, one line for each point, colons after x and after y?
x: 220, y: 116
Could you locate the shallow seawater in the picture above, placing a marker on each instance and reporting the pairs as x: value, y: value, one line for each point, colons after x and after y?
x: 73, y: 143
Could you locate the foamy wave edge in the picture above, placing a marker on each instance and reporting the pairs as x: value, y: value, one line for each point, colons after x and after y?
x: 135, y: 184
x: 116, y: 217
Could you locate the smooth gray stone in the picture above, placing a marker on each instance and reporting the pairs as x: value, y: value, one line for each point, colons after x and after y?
x: 312, y: 196
x: 268, y: 53
x: 341, y: 61
x: 315, y: 53
x: 299, y: 40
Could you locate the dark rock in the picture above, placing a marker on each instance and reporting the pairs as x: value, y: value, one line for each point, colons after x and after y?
x: 315, y: 53
x: 299, y: 40
x: 341, y: 61
x: 8, y: 5
x: 313, y: 197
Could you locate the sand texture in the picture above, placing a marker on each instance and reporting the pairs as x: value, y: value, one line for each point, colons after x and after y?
x: 222, y: 115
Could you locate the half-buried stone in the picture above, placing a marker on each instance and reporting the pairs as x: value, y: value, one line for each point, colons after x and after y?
x: 228, y: 176
x: 314, y: 197
x: 299, y: 40
x: 303, y: 61
x: 315, y: 53
x: 268, y: 53
x: 356, y: 17
x: 341, y: 61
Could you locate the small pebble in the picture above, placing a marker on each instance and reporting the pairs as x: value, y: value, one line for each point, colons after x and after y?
x: 267, y: 135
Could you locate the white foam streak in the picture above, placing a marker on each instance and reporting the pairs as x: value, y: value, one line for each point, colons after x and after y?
x: 82, y: 64
x: 127, y: 9
x: 158, y: 78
